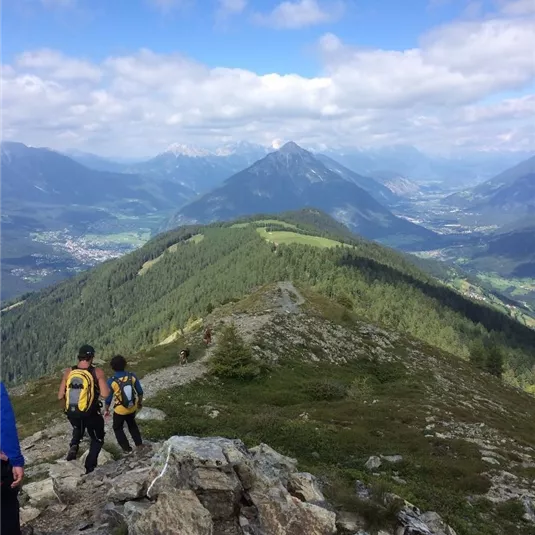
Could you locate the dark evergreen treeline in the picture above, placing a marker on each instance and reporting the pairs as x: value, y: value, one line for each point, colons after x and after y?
x: 115, y: 308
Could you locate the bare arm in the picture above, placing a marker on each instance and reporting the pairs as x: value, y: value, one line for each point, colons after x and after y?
x: 63, y: 384
x: 102, y: 383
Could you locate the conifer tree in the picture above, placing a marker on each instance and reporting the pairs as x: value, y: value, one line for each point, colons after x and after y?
x: 495, y: 360
x: 233, y: 356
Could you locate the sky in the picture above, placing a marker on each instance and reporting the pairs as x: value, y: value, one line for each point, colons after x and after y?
x: 130, y: 77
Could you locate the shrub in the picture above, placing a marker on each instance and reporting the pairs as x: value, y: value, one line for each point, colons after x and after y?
x: 360, y: 389
x: 326, y: 390
x: 233, y: 357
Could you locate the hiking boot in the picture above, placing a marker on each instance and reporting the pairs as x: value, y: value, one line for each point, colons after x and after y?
x: 128, y: 451
x: 73, y: 453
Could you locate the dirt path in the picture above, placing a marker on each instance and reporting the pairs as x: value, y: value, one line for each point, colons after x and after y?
x: 291, y: 299
x: 174, y: 375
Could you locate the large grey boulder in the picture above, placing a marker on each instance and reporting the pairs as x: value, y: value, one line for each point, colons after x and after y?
x: 129, y: 486
x: 40, y: 493
x: 177, y: 512
x: 66, y: 477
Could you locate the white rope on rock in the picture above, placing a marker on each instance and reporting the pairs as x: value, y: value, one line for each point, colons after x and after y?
x: 162, y: 472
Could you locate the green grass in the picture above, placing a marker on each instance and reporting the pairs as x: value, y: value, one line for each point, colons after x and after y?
x: 340, y: 433
x: 198, y: 238
x: 281, y: 237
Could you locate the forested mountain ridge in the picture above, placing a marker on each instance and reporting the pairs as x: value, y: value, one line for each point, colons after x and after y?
x: 136, y: 301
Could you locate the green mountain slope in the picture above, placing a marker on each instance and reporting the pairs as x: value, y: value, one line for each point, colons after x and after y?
x: 333, y: 391
x: 120, y: 306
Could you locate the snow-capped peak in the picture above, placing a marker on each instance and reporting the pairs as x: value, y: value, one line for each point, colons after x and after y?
x: 238, y: 147
x: 180, y: 149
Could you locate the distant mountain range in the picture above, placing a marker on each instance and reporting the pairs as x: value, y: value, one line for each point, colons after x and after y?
x: 407, y: 161
x: 293, y: 178
x: 509, y: 195
x: 43, y: 176
x: 202, y: 169
x: 196, y: 168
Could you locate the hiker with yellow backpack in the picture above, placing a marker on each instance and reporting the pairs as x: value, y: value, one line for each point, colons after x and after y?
x: 126, y: 394
x: 80, y: 389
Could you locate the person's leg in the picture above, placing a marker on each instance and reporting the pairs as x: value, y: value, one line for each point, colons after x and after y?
x: 133, y: 428
x: 118, y: 429
x: 78, y: 430
x: 95, y: 430
x: 9, y: 512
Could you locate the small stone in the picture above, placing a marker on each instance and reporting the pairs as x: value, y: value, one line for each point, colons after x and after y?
x: 305, y: 487
x: 392, y: 458
x: 103, y: 457
x: 373, y: 462
x: 28, y: 513
x: 399, y: 480
x: 490, y: 460
x: 148, y: 413
x: 347, y: 521
x: 529, y: 508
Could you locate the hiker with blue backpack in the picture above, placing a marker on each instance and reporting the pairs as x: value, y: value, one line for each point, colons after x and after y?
x: 80, y: 390
x: 126, y: 394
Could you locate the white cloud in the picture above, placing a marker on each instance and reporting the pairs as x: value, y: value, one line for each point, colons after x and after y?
x: 58, y: 66
x: 301, y: 13
x: 518, y: 7
x: 231, y: 7
x: 467, y: 84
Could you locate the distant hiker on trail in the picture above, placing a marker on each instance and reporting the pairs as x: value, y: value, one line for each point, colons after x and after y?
x: 184, y: 356
x: 208, y: 336
x: 12, y: 466
x: 81, y: 387
x: 127, y: 394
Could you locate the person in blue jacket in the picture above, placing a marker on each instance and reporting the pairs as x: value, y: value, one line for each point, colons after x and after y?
x: 12, y: 466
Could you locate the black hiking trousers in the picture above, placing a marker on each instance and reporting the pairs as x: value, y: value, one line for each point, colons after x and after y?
x: 118, y: 428
x: 10, y: 513
x: 94, y: 425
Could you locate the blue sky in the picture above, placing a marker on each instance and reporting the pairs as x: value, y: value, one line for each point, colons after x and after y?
x: 330, y: 50
x: 99, y: 28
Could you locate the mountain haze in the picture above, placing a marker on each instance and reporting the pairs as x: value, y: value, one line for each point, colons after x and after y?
x: 510, y: 193
x: 293, y: 178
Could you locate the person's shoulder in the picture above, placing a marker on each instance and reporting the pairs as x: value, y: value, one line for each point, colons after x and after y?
x: 99, y: 372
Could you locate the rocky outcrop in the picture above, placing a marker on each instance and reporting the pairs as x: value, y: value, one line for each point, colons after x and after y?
x: 203, y: 486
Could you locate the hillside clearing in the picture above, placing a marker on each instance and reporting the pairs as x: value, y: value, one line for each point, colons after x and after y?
x: 171, y: 249
x: 282, y: 236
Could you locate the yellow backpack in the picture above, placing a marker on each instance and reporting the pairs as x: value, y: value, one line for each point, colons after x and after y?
x: 125, y: 393
x: 80, y: 394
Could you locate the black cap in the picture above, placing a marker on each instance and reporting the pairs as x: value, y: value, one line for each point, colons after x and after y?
x: 86, y: 351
